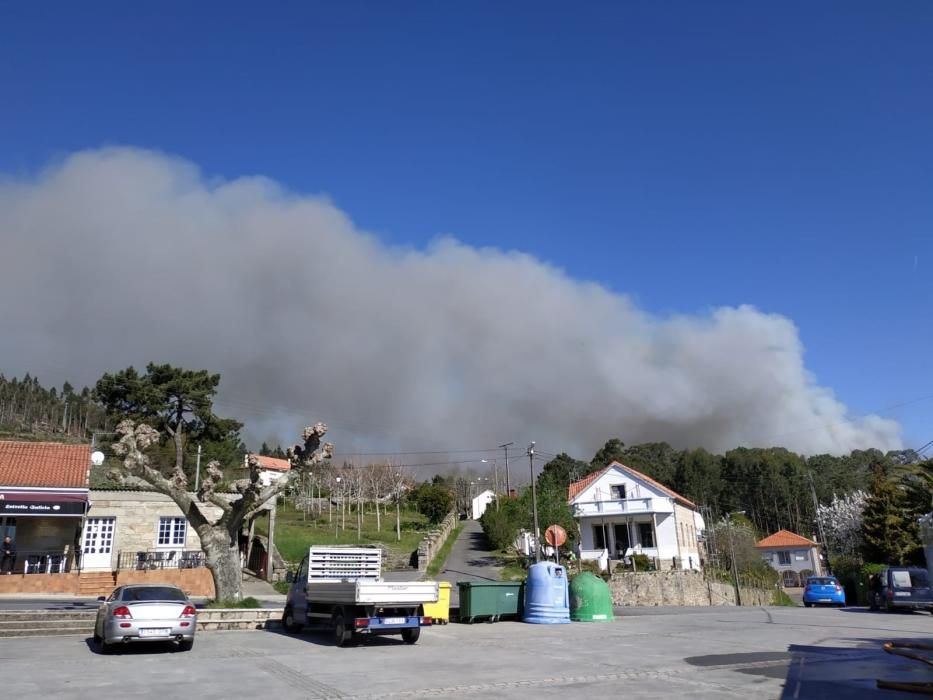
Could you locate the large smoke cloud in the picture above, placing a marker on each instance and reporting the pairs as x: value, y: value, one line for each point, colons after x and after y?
x: 120, y: 256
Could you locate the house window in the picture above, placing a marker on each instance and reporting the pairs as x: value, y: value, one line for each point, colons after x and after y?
x: 783, y: 558
x: 172, y: 531
x: 618, y: 491
x: 646, y: 534
x: 599, y: 537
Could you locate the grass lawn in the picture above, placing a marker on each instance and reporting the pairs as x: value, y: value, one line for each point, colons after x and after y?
x: 440, y: 558
x: 294, y: 533
x: 513, y: 566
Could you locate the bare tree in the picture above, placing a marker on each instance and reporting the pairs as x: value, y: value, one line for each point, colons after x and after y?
x: 219, y: 533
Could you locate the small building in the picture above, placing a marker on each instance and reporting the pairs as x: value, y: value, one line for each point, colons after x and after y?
x: 794, y: 557
x: 80, y: 541
x: 623, y: 512
x: 43, y: 500
x: 273, y: 468
x: 481, y: 502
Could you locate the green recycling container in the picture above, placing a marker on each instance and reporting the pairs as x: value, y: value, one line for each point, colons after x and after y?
x: 489, y: 599
x: 590, y: 599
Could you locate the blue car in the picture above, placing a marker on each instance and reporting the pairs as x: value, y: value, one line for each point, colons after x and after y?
x: 824, y: 590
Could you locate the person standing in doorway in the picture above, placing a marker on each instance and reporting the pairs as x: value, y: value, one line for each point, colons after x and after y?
x: 7, y: 555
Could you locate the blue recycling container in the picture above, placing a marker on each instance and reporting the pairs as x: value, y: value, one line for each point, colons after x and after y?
x: 547, y: 597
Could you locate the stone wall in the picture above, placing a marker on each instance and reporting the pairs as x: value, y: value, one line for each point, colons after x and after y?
x: 657, y: 588
x: 434, y: 540
x: 137, y: 515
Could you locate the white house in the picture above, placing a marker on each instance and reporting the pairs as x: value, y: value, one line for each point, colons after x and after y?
x: 623, y: 512
x: 273, y: 468
x: 480, y: 503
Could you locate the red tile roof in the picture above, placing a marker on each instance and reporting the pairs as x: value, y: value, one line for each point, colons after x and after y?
x: 577, y: 486
x: 44, y: 464
x: 785, y: 538
x: 274, y: 464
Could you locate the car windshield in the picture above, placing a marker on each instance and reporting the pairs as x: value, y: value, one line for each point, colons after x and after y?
x: 153, y: 593
x: 822, y: 581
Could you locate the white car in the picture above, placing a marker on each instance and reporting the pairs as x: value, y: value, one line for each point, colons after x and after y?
x: 145, y: 613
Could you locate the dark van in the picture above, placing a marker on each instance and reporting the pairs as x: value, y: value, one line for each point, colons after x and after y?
x: 900, y: 588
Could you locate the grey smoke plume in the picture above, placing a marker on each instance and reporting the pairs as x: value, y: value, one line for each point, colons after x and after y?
x: 122, y: 256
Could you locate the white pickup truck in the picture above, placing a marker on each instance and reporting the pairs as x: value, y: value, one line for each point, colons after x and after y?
x: 342, y: 587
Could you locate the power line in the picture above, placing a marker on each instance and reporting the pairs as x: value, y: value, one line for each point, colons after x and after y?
x: 418, y: 452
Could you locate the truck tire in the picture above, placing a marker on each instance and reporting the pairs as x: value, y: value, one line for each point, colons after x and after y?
x: 343, y: 635
x: 289, y: 623
x: 411, y: 635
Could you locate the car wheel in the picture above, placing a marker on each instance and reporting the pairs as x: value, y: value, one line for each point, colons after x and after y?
x: 106, y: 647
x: 342, y: 634
x: 411, y: 635
x: 186, y: 645
x: 806, y: 604
x: 289, y: 623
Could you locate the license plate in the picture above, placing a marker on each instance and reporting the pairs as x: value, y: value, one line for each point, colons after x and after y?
x: 902, y: 593
x: 155, y: 632
x: 394, y: 621
x: 826, y: 600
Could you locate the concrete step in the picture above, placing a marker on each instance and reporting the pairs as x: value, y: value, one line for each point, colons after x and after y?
x: 7, y: 625
x: 59, y: 615
x: 9, y: 634
x: 237, y: 624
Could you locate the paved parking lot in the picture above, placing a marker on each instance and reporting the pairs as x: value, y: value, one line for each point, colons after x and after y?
x: 664, y: 653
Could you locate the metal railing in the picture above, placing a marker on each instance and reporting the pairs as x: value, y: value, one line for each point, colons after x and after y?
x: 146, y: 560
x: 36, y: 561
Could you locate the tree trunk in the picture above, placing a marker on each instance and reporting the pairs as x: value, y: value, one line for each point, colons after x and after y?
x: 223, y: 560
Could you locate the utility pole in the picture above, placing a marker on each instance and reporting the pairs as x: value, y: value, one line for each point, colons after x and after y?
x: 735, y: 568
x: 534, y: 499
x: 197, y: 471
x: 508, y: 481
x: 819, y: 523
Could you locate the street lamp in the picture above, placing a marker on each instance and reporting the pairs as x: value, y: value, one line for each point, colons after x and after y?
x: 495, y: 467
x: 735, y: 570
x: 337, y: 519
x: 534, y: 499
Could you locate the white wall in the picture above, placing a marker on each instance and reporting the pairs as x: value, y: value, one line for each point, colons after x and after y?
x: 481, y: 502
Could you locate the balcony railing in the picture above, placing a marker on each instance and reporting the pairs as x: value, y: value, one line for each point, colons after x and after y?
x: 36, y: 561
x: 624, y: 506
x: 147, y: 560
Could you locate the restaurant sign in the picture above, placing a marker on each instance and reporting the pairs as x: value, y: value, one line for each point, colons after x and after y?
x: 42, y: 503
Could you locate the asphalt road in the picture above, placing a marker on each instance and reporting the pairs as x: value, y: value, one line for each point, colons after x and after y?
x: 469, y: 560
x: 696, y: 653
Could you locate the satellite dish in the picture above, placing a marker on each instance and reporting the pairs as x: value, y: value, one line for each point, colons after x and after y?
x: 97, y: 458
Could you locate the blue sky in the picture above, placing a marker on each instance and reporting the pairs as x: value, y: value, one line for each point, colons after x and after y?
x: 689, y: 154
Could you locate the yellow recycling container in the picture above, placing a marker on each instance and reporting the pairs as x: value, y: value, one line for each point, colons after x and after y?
x: 440, y: 610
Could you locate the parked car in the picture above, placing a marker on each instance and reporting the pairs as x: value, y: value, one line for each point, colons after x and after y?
x: 823, y: 590
x: 145, y: 613
x: 900, y: 588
